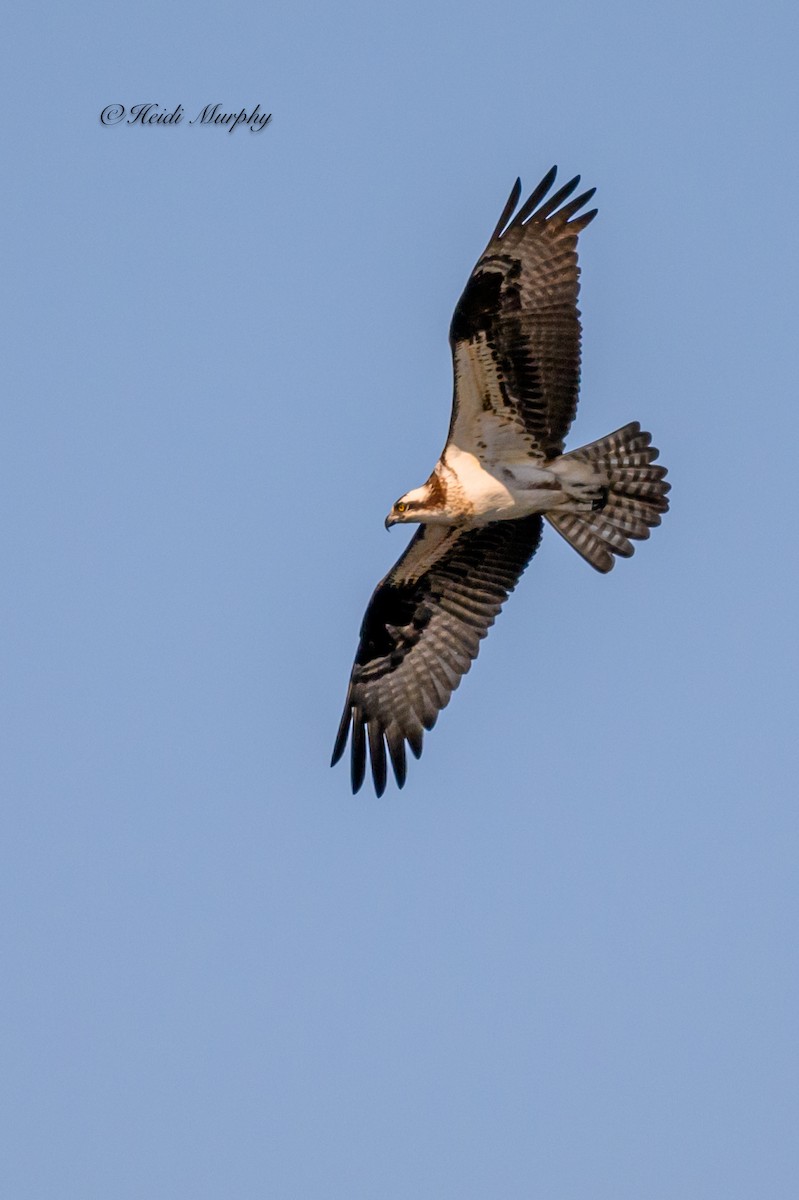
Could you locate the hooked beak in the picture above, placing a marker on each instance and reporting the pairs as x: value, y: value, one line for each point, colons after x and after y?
x: 390, y: 520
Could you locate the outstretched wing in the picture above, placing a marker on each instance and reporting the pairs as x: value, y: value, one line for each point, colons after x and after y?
x: 421, y: 631
x: 515, y: 333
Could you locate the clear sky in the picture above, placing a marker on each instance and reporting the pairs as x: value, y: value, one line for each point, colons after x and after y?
x: 561, y: 964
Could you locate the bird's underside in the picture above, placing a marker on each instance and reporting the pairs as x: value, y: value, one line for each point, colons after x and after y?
x: 515, y: 339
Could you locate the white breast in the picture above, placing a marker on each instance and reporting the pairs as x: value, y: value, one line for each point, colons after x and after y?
x: 505, y: 493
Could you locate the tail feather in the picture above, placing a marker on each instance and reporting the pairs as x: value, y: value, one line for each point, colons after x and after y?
x: 636, y: 496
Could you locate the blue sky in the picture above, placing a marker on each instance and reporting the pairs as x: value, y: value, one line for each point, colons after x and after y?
x: 562, y: 962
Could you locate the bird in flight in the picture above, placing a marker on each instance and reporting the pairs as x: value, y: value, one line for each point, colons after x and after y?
x: 515, y: 339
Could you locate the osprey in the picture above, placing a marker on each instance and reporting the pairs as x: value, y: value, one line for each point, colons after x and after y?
x: 515, y: 339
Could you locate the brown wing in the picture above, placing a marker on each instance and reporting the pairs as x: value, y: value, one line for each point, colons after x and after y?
x: 515, y: 333
x: 421, y: 631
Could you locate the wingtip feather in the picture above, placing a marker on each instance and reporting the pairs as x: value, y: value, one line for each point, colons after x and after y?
x: 377, y: 753
x: 358, y: 760
x: 535, y: 196
x: 557, y: 199
x: 579, y: 223
x: 512, y: 201
x: 564, y: 214
x: 396, y: 750
x: 341, y: 737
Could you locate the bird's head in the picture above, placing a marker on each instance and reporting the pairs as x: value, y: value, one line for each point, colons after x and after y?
x: 407, y: 509
x: 424, y: 505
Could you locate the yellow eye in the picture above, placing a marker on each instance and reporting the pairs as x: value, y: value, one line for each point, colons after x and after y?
x: 401, y: 506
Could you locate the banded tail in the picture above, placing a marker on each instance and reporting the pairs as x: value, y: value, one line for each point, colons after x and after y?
x: 636, y: 497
